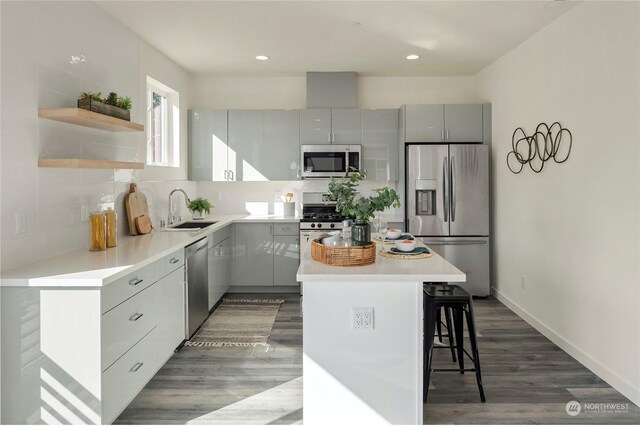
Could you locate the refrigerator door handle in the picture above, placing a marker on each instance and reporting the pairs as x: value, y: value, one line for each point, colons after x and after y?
x: 453, y: 189
x: 445, y: 189
x: 454, y: 243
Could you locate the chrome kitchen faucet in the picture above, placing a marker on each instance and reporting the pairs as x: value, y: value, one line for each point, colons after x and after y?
x: 171, y: 218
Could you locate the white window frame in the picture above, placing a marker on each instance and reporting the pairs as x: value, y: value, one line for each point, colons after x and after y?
x: 171, y: 122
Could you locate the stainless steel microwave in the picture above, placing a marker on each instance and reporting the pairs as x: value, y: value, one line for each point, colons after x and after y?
x: 327, y: 161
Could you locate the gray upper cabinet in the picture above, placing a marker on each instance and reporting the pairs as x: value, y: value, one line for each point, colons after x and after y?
x: 326, y: 126
x: 424, y: 123
x: 208, y: 150
x: 246, y: 144
x: 282, y: 140
x: 315, y: 126
x: 438, y: 123
x: 346, y: 126
x: 463, y: 122
x: 380, y: 144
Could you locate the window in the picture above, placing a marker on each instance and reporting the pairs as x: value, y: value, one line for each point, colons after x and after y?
x: 163, y: 125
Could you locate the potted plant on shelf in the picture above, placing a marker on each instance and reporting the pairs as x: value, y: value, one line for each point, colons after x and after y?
x: 350, y: 203
x: 113, y: 105
x: 199, y: 206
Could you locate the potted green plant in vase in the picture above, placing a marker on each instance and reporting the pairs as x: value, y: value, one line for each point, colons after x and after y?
x: 350, y: 203
x: 199, y: 206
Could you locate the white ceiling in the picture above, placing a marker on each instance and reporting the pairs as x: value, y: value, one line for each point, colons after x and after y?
x: 223, y: 37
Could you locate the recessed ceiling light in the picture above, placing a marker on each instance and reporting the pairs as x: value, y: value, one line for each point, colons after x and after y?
x: 412, y: 57
x: 262, y: 57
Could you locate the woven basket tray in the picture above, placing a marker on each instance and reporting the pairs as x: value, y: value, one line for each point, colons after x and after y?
x: 343, y: 256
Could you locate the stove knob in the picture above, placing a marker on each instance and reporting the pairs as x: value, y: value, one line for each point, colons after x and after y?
x: 333, y: 225
x: 319, y: 225
x: 313, y: 225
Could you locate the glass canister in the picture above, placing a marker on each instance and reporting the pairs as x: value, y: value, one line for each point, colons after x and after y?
x: 112, y: 230
x: 98, y: 231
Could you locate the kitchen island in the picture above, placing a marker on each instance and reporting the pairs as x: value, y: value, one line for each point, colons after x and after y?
x: 354, y: 374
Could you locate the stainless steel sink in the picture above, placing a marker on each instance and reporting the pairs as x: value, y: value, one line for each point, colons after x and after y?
x: 189, y: 226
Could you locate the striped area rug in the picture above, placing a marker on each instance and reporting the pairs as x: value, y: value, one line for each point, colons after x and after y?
x: 238, y: 323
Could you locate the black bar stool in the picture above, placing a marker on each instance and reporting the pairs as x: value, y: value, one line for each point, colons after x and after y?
x: 452, y: 297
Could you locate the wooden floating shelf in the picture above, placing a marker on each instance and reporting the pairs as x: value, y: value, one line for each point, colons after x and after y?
x: 83, y: 117
x: 78, y: 163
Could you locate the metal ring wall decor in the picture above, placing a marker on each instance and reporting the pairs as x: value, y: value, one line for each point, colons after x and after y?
x: 545, y: 143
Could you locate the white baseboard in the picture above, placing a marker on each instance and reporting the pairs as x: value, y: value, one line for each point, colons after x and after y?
x: 615, y: 381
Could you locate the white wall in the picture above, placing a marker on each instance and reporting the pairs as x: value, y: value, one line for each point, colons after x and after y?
x: 39, y: 40
x: 573, y: 230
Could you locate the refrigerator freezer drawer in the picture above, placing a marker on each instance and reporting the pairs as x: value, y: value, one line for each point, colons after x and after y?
x: 470, y: 255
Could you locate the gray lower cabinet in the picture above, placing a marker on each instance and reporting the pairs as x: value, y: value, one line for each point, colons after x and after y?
x: 286, y: 253
x: 448, y: 123
x: 380, y: 144
x: 266, y: 254
x: 265, y: 144
x: 253, y: 252
x: 219, y: 270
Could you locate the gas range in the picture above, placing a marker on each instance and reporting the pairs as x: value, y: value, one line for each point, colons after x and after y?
x: 319, y: 213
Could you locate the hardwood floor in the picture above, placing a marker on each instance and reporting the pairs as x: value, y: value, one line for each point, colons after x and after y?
x: 527, y: 380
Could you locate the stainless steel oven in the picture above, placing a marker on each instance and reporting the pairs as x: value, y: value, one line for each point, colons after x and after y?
x: 327, y: 161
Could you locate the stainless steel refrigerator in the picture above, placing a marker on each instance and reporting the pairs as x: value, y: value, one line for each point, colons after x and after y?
x: 447, y: 206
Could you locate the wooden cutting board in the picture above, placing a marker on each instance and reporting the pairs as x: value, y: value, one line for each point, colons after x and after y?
x: 135, y: 203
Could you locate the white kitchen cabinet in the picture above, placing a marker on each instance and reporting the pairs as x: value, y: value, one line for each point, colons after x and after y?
x: 380, y: 144
x: 209, y: 155
x: 219, y: 252
x: 170, y: 313
x: 325, y: 126
x: 438, y: 123
x: 253, y: 254
x: 265, y: 144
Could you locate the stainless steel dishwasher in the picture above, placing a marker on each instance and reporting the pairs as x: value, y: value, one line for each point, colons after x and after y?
x: 197, y: 285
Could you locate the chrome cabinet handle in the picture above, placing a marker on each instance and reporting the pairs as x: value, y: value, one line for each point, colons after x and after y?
x: 226, y: 175
x: 135, y: 317
x: 135, y: 281
x: 453, y: 189
x: 136, y: 367
x: 329, y: 137
x: 442, y: 134
x: 231, y: 174
x: 174, y: 260
x: 447, y: 136
x: 333, y: 137
x: 445, y: 195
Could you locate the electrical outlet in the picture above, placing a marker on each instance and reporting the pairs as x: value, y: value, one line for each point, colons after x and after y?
x: 362, y: 318
x: 84, y: 212
x: 219, y: 195
x: 522, y: 282
x: 21, y: 223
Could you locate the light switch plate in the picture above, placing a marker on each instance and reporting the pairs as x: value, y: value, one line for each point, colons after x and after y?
x: 21, y: 223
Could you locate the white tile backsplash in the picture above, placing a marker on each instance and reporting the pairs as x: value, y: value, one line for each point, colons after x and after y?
x: 39, y: 40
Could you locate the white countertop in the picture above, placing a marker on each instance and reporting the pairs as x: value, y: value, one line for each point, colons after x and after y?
x: 434, y: 268
x: 82, y: 268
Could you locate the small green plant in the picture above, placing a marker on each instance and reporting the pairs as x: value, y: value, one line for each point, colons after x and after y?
x: 94, y: 96
x: 349, y: 202
x: 112, y: 99
x: 200, y: 205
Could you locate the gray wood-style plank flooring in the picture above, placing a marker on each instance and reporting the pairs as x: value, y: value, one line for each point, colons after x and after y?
x: 527, y: 380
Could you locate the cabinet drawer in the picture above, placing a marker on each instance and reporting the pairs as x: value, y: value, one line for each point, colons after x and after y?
x: 170, y: 262
x: 118, y: 291
x: 124, y: 379
x: 286, y: 228
x: 127, y: 323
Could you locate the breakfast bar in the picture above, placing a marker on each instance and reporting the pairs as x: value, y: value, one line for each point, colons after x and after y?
x: 362, y: 338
